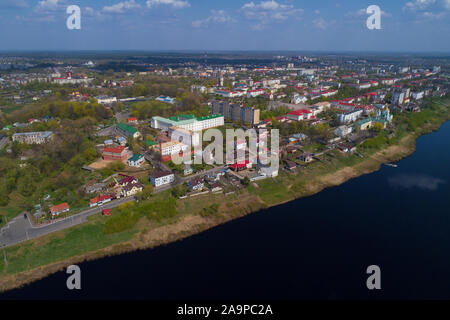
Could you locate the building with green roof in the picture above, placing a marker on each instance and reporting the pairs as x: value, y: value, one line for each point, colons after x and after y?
x: 188, y: 122
x: 136, y: 160
x: 128, y: 131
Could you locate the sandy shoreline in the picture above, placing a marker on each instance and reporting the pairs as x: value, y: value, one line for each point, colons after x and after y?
x: 190, y: 225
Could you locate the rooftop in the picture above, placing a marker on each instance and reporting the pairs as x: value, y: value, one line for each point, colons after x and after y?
x: 127, y: 128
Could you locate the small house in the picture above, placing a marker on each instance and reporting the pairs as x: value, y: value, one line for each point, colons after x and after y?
x: 136, y: 160
x: 60, y: 208
x: 306, y: 157
x: 196, y: 184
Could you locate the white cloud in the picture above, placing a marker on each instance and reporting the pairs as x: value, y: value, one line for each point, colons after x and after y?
x: 427, y: 9
x: 47, y: 5
x: 178, y: 4
x: 418, y: 5
x: 121, y: 7
x: 363, y: 12
x: 446, y: 4
x: 13, y: 4
x: 433, y: 16
x: 322, y: 24
x: 267, y: 11
x: 217, y: 16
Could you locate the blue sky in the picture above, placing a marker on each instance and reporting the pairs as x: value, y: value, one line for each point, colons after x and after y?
x: 322, y: 25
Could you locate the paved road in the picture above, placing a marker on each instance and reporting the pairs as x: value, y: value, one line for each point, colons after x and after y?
x: 3, y: 142
x: 21, y: 229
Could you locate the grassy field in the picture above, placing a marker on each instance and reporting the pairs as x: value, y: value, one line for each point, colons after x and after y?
x: 60, y: 246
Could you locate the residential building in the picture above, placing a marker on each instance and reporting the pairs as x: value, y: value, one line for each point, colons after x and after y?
x: 268, y: 172
x: 196, y: 184
x: 100, y: 200
x: 364, y: 124
x: 136, y: 160
x: 128, y: 131
x: 347, y: 147
x: 290, y: 165
x: 60, y: 208
x: 418, y: 95
x: 115, y: 154
x: 299, y: 115
x: 188, y: 122
x: 106, y: 99
x: 235, y: 112
x: 33, y: 137
x: 170, y: 148
x: 160, y: 178
x: 297, y: 99
x: 166, y: 99
x: 255, y: 93
x: 306, y: 157
x: 132, y: 189
x: 350, y: 116
x: 343, y: 131
x: 229, y: 94
x: 241, y: 165
x: 188, y: 137
x: 94, y: 188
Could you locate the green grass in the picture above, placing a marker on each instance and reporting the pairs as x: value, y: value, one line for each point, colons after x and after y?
x: 73, y: 242
x: 271, y: 191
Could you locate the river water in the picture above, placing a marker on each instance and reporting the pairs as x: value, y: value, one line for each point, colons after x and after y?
x: 313, y: 248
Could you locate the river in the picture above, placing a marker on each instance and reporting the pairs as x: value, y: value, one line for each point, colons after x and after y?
x: 313, y: 248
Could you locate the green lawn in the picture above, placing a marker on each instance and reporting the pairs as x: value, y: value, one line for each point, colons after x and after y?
x: 69, y: 243
x: 271, y: 191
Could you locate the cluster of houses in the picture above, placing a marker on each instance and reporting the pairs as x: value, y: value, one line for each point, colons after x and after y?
x: 124, y: 187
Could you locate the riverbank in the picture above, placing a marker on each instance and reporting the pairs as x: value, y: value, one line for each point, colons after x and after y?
x: 257, y: 197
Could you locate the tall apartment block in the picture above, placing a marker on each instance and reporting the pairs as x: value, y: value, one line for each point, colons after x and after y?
x: 236, y: 112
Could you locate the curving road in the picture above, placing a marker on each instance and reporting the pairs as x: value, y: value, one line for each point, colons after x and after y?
x: 21, y: 229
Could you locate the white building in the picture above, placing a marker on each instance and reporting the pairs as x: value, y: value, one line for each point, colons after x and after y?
x: 418, y: 95
x: 255, y: 93
x: 343, y: 131
x: 297, y: 99
x: 106, y: 99
x: 350, y: 116
x: 268, y: 172
x: 171, y: 147
x: 229, y: 94
x: 201, y: 89
x: 188, y: 137
x: 188, y: 122
x: 33, y: 137
x: 160, y: 178
x: 136, y: 160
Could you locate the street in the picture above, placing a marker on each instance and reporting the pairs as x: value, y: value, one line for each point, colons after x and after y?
x: 20, y: 229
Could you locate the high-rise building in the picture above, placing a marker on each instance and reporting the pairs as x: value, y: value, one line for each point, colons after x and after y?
x: 236, y: 112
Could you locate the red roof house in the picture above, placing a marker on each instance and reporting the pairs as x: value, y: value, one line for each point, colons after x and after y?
x: 117, y: 153
x: 98, y: 201
x: 60, y: 208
